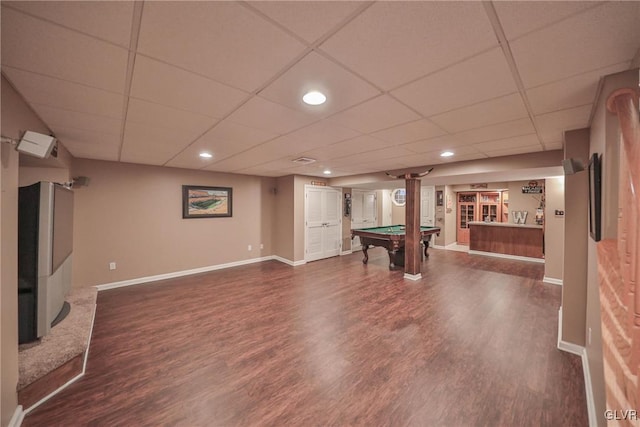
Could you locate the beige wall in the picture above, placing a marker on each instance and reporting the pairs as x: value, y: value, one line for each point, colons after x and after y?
x: 398, y: 214
x: 491, y: 186
x: 31, y: 175
x: 574, y: 287
x: 450, y: 216
x: 284, y: 214
x: 132, y: 215
x: 554, y: 228
x: 9, y: 286
x: 519, y: 201
x: 16, y: 118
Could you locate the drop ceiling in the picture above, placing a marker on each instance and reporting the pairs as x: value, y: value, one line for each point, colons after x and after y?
x: 159, y: 82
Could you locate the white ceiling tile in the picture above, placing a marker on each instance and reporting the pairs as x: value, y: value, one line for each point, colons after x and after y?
x: 581, y: 43
x: 515, y: 150
x: 379, y: 113
x: 57, y: 93
x: 59, y: 118
x: 190, y: 124
x: 393, y: 43
x: 151, y: 145
x: 62, y: 53
x: 434, y: 158
x: 552, y: 137
x: 381, y: 155
x: 242, y: 49
x: 558, y: 145
x: 477, y: 79
x: 573, y: 118
x: 409, y: 132
x: 318, y: 134
x: 314, y: 72
x: 88, y: 144
x: 571, y: 92
x: 108, y: 20
x: 82, y: 150
x: 346, y: 148
x: 224, y: 140
x: 445, y: 142
x: 509, y: 143
x: 309, y: 19
x: 433, y: 56
x: 260, y: 113
x: 190, y: 157
x: 521, y: 17
x: 255, y: 156
x: 486, y: 113
x: 168, y: 85
x: 227, y: 133
x: 498, y: 131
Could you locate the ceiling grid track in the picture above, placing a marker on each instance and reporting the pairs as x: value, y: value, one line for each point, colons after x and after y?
x: 136, y: 22
x: 506, y: 49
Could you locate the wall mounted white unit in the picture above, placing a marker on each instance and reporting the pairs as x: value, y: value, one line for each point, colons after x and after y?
x: 36, y: 144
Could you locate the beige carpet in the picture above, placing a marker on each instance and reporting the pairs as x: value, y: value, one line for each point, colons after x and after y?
x: 66, y: 340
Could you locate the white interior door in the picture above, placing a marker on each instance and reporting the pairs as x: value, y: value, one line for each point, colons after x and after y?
x: 364, y: 212
x: 323, y: 222
x: 387, y: 215
x: 428, y: 206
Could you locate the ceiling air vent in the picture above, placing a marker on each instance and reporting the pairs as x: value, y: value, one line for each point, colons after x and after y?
x: 303, y: 160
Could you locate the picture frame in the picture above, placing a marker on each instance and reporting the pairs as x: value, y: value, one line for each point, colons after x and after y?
x: 439, y: 198
x: 200, y: 201
x: 595, y: 197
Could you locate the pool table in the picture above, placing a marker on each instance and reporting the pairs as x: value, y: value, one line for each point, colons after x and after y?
x: 391, y: 237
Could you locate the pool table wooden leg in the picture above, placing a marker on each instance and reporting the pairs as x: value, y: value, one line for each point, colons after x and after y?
x: 426, y: 246
x: 392, y: 259
x: 365, y: 248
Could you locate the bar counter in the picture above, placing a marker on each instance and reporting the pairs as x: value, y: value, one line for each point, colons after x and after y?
x: 522, y: 240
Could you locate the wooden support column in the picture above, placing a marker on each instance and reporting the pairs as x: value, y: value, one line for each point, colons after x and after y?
x: 412, y: 254
x: 412, y: 238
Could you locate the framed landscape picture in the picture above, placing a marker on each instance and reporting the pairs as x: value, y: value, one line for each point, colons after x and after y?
x: 206, y: 202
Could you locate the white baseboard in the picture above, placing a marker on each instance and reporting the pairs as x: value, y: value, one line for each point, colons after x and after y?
x: 436, y: 246
x: 175, y: 274
x: 16, y: 419
x: 72, y: 380
x: 515, y: 257
x: 288, y: 261
x: 349, y: 252
x: 588, y: 386
x: 552, y: 281
x: 591, y: 404
x: 413, y: 277
x: 570, y: 348
x: 567, y: 346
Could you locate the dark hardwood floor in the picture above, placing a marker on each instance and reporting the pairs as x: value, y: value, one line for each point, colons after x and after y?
x: 333, y: 342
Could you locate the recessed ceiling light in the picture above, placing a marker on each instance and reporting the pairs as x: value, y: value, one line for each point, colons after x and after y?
x: 206, y: 155
x: 327, y: 172
x: 314, y: 98
x: 446, y: 154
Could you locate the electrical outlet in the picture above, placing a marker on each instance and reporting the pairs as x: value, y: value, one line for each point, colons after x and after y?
x: 112, y: 266
x: 261, y: 246
x: 249, y: 248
